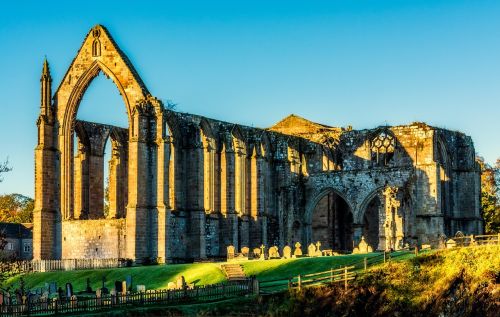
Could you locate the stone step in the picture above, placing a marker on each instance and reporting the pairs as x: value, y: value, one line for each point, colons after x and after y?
x: 233, y: 271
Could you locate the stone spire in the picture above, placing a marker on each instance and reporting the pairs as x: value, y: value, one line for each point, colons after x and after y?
x: 46, y: 92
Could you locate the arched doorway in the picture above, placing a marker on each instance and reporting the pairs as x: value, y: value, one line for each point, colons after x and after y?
x: 331, y: 222
x: 371, y: 222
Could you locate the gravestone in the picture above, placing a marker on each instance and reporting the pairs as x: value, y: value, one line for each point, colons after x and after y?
x: 171, y: 285
x: 52, y: 287
x: 245, y: 251
x: 88, y: 289
x: 262, y: 252
x: 181, y: 282
x: 363, y: 247
x: 311, y: 250
x: 274, y: 253
x: 128, y: 279
x: 230, y: 252
x: 298, y: 251
x: 60, y: 292
x: 287, y: 252
x: 256, y: 253
x: 141, y: 288
x: 104, y: 290
x: 451, y: 244
x: 113, y: 296
x: 124, y: 287
x: 74, y: 301
x: 118, y: 286
x: 318, y: 249
x: 19, y: 298
x: 69, y: 290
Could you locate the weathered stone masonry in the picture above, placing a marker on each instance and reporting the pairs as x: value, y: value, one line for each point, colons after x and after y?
x: 183, y: 186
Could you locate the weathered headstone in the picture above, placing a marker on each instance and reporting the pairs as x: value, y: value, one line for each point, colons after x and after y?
x: 180, y: 282
x: 128, y: 279
x: 141, y: 288
x: 426, y: 247
x: 298, y: 251
x: 118, y: 286
x: 245, y: 251
x: 256, y: 253
x: 230, y: 252
x: 88, y: 289
x: 52, y: 287
x: 171, y: 285
x: 273, y: 252
x: 19, y: 298
x: 451, y: 244
x: 363, y: 247
x: 74, y: 301
x: 104, y: 290
x: 311, y: 250
x: 124, y: 287
x: 262, y: 252
x: 69, y: 290
x: 60, y: 292
x: 287, y: 252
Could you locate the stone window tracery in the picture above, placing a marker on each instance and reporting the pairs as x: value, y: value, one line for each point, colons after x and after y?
x: 382, y: 148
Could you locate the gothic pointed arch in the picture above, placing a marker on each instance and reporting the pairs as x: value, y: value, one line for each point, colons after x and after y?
x: 85, y: 67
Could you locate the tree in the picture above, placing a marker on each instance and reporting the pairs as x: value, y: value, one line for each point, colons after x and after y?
x: 490, y: 192
x: 4, y: 168
x: 16, y: 208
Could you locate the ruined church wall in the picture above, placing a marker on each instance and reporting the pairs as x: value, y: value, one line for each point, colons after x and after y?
x: 87, y: 239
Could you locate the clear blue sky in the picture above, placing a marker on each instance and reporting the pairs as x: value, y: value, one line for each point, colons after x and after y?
x: 359, y: 63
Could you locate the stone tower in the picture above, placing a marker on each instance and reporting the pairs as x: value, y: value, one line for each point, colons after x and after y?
x: 46, y: 215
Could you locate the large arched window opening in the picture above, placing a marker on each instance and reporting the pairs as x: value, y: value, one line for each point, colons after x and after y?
x: 240, y: 154
x: 208, y: 143
x: 331, y: 222
x: 371, y: 222
x: 99, y: 153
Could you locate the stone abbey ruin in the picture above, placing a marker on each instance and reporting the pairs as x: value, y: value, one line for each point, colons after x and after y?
x: 184, y: 187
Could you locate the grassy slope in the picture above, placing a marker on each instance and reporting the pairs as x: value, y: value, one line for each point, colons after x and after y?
x: 156, y: 277
x: 423, y: 279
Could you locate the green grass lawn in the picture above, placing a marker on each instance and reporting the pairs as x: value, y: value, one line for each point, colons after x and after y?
x: 158, y: 277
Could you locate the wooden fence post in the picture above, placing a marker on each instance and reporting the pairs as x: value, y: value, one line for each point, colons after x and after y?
x: 331, y: 275
x: 365, y: 262
x: 416, y: 251
x: 345, y: 278
x: 256, y: 286
x: 299, y: 282
x: 385, y: 256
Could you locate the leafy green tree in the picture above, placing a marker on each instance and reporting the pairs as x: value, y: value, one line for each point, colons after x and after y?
x: 490, y: 192
x: 16, y: 208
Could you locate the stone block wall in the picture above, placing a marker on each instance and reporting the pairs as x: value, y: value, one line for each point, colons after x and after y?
x: 100, y: 239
